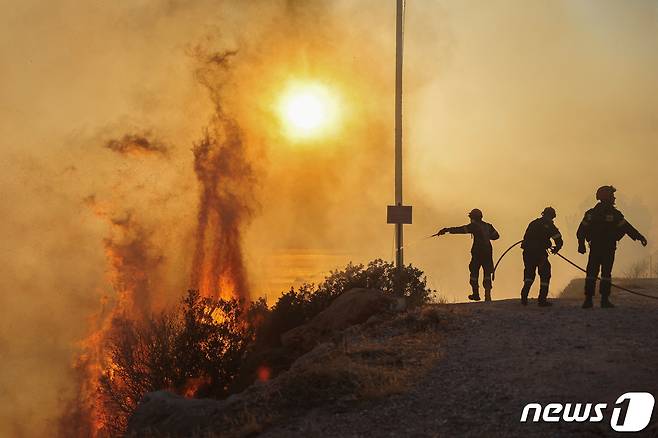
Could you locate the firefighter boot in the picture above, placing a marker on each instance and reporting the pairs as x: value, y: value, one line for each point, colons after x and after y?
x: 605, y: 302
x: 543, y: 302
x: 543, y: 296
x: 524, y: 299
x: 588, y: 304
x: 475, y: 287
x: 487, y: 294
x: 475, y: 296
x: 524, y: 292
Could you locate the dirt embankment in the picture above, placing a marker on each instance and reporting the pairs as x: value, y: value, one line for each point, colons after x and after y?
x: 347, y: 364
x: 458, y: 370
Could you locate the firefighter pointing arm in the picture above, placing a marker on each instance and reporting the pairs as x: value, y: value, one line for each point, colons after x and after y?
x: 602, y: 227
x: 481, y: 252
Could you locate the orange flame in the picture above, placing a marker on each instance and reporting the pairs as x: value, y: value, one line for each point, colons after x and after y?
x: 129, y: 264
x: 226, y: 201
x: 225, y: 179
x: 193, y: 386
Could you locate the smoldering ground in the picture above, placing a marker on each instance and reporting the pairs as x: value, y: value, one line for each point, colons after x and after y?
x: 507, y: 109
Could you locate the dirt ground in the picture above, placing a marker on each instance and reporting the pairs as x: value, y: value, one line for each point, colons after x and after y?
x: 494, y: 358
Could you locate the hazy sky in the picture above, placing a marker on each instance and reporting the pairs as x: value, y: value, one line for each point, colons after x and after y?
x: 510, y: 106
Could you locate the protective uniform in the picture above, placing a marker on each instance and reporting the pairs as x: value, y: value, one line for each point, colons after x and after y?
x: 481, y: 252
x: 602, y: 227
x: 536, y: 242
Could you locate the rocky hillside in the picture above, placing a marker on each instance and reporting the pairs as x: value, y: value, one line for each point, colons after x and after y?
x: 445, y: 370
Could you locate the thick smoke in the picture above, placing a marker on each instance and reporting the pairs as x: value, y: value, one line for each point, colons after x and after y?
x: 534, y: 105
x: 132, y: 261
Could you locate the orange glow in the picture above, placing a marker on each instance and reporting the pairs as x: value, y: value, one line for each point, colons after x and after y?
x: 194, y: 385
x: 227, y: 287
x: 264, y: 373
x: 222, y: 287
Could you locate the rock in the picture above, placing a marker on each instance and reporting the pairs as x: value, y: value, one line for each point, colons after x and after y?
x: 164, y: 414
x: 163, y: 411
x: 353, y: 307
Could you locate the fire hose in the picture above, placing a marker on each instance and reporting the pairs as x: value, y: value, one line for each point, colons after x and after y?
x: 493, y: 276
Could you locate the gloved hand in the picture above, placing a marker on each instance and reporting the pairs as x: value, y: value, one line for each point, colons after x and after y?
x: 442, y: 231
x: 643, y: 241
x: 555, y: 250
x: 581, y: 247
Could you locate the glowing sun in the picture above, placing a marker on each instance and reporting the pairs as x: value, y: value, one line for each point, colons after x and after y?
x: 308, y: 110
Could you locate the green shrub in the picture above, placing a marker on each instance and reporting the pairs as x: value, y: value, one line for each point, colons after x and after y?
x: 295, y: 307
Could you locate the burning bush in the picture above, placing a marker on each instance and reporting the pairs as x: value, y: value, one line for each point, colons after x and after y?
x: 212, y: 347
x: 195, y: 349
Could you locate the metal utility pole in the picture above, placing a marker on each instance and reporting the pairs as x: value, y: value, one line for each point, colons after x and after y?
x: 398, y: 214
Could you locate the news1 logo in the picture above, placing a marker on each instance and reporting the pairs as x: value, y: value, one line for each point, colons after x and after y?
x: 631, y: 412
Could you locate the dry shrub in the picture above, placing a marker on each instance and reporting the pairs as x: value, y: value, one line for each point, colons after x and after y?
x: 195, y: 349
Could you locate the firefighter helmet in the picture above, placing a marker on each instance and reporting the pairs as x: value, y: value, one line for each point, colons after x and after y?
x: 605, y: 193
x: 549, y: 212
x: 476, y: 214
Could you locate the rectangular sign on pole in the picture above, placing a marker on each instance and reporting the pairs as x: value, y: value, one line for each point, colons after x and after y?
x: 398, y: 214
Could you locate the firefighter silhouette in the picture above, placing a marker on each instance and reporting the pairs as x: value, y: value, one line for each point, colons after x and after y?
x: 602, y: 227
x: 536, y: 243
x: 481, y: 252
